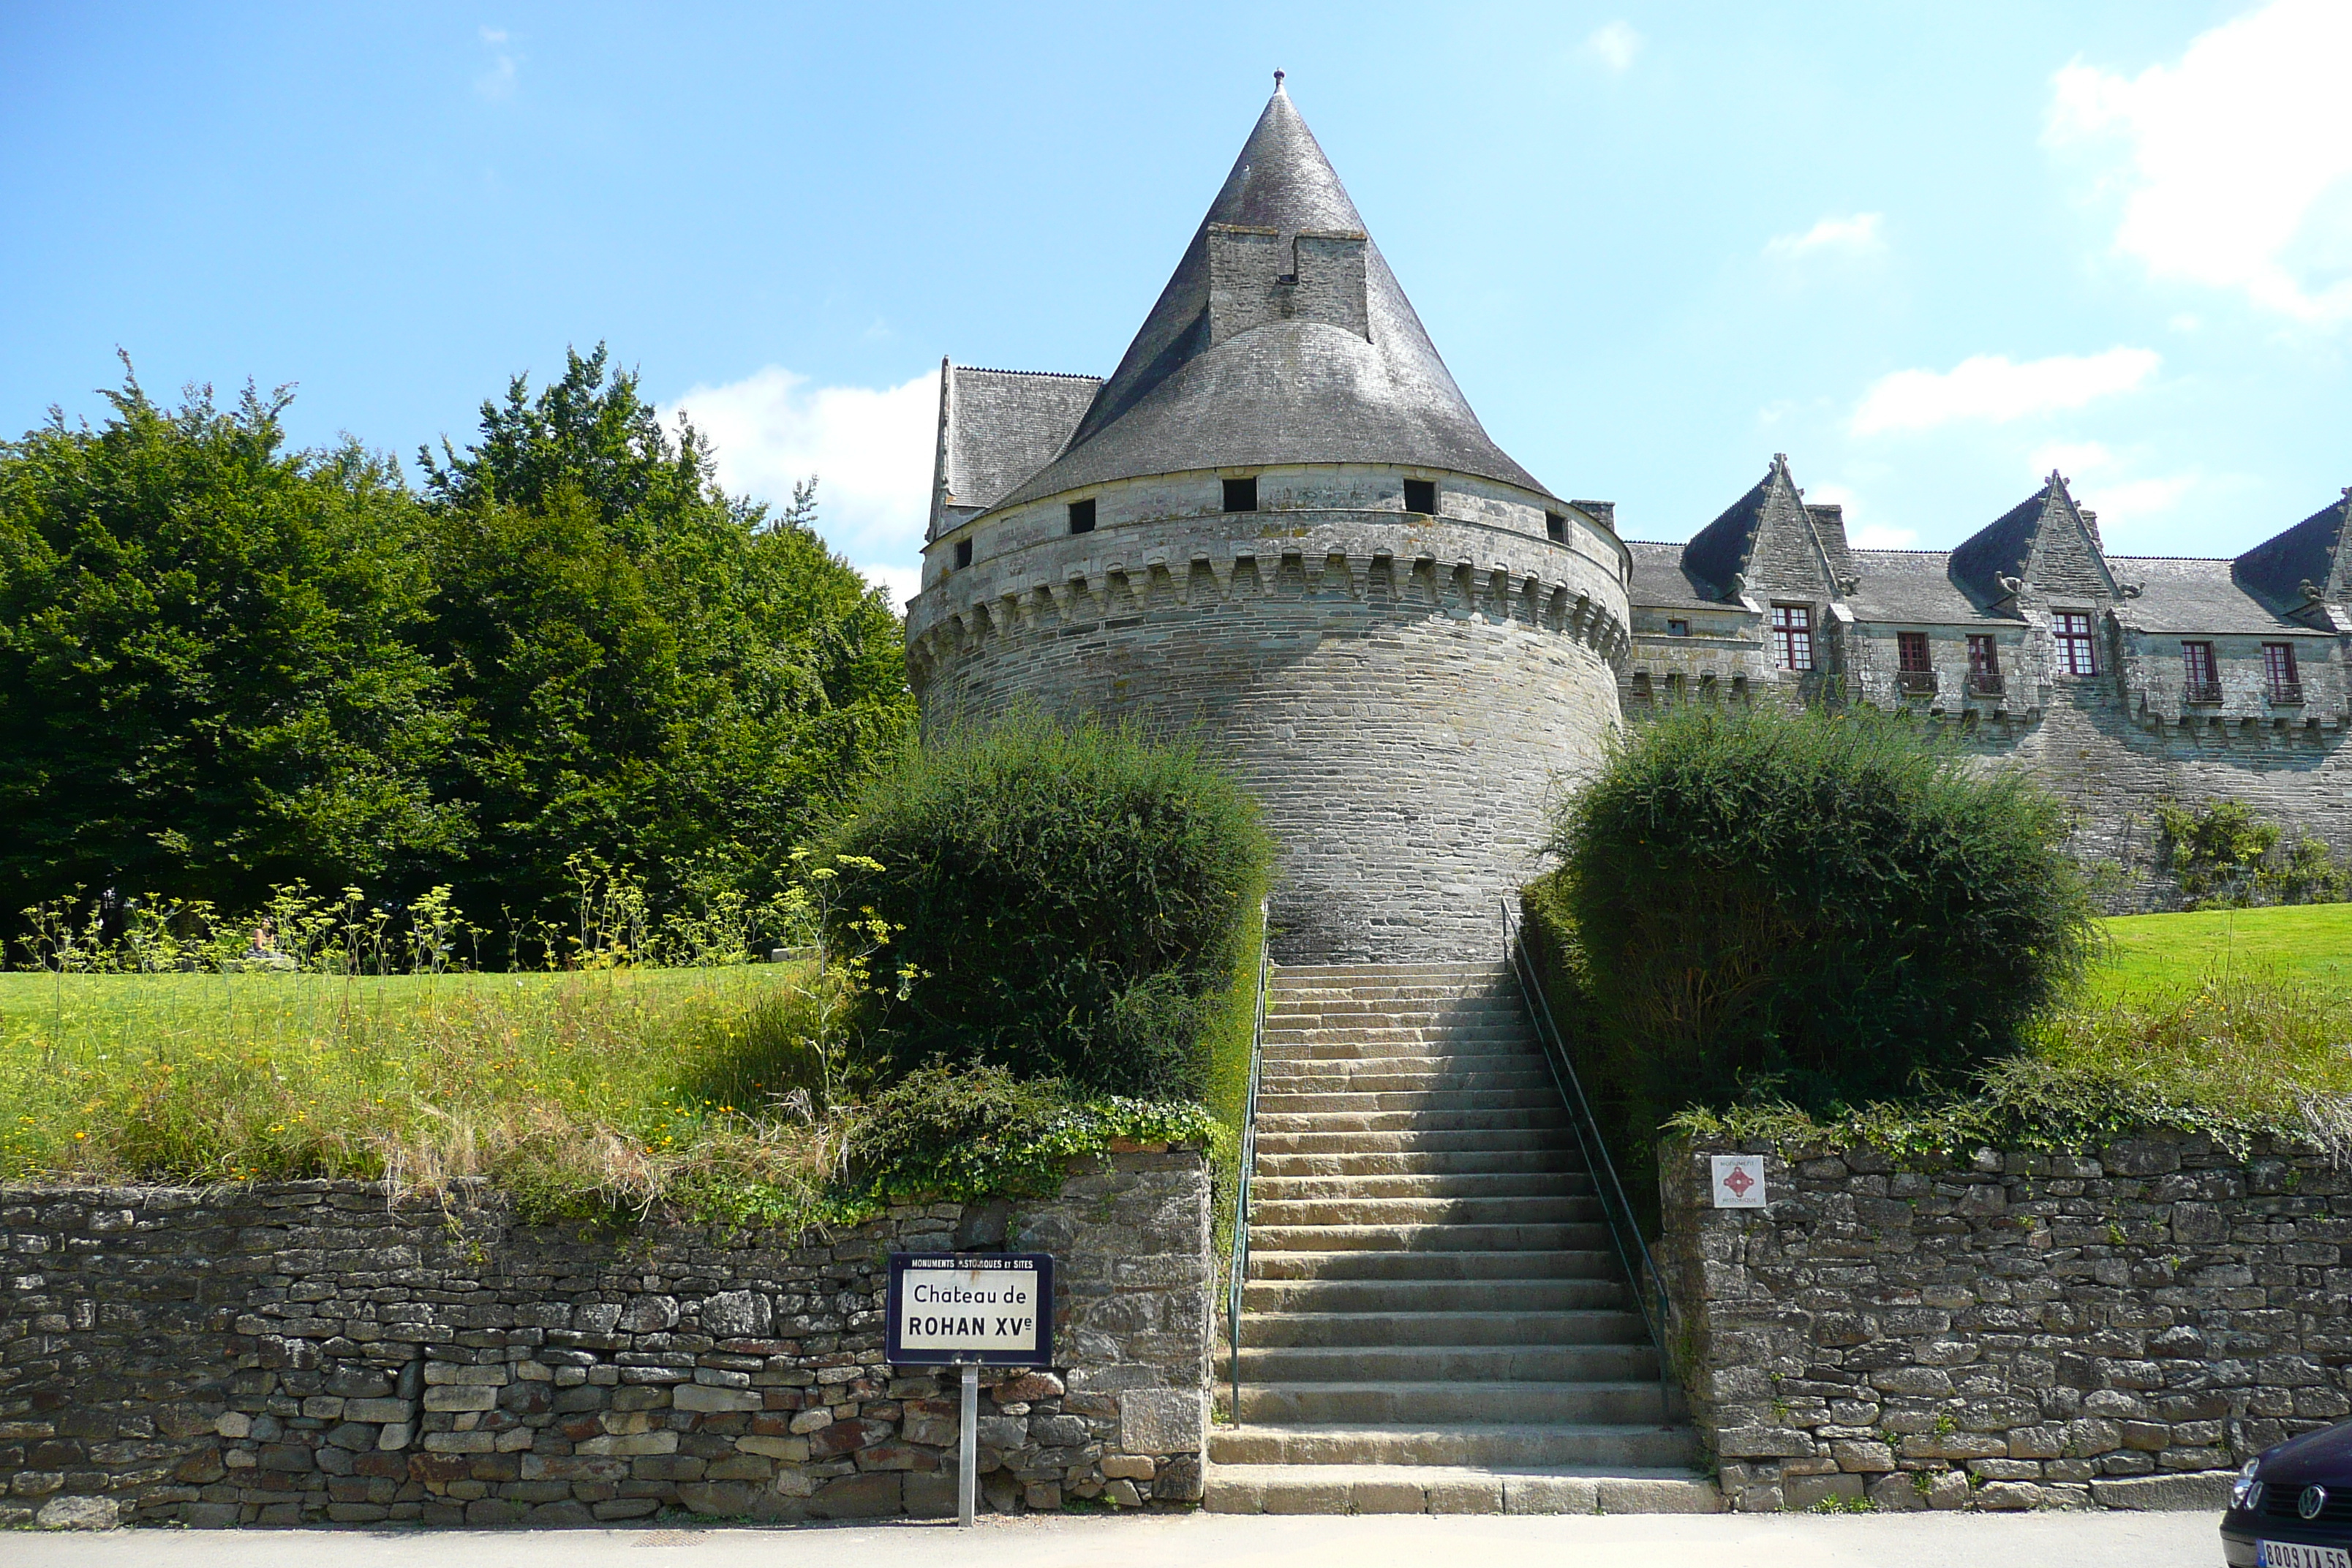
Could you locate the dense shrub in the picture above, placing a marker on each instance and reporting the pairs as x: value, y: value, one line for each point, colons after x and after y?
x: 2225, y: 856
x: 1073, y: 902
x: 1828, y: 908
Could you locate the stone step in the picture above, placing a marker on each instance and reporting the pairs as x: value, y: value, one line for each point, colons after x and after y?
x: 1400, y: 1023
x: 1344, y: 1055
x: 1393, y: 1015
x: 1500, y: 1119
x: 1531, y: 1445
x: 1436, y: 1264
x: 1417, y: 1163
x: 1571, y: 1263
x: 1348, y: 971
x: 1626, y: 1403
x: 1294, y: 1062
x: 1409, y: 1040
x: 1532, y: 1183
x: 1406, y: 1302
x: 1467, y: 1320
x: 1390, y: 1075
x: 1282, y: 1213
x: 1303, y: 1102
x: 1416, y: 1489
x: 1474, y: 1140
x: 1407, y: 993
x: 1450, y: 1365
x: 1531, y: 1236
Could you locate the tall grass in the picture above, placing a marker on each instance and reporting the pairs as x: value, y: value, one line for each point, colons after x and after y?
x: 2244, y: 1052
x: 618, y: 1086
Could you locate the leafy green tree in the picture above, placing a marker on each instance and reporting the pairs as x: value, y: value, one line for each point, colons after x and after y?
x: 648, y: 671
x: 208, y: 683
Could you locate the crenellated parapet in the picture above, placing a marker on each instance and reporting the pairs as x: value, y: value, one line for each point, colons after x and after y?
x: 1462, y: 571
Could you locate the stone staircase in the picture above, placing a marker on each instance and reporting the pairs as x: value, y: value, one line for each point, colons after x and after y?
x: 1434, y: 1321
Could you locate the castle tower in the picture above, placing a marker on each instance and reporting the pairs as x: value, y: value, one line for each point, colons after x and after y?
x: 1280, y: 523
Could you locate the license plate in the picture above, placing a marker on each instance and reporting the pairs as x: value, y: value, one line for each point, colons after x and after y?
x: 2289, y: 1555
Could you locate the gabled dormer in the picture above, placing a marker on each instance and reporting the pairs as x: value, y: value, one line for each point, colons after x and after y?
x: 2044, y: 549
x: 2306, y: 571
x: 1769, y: 543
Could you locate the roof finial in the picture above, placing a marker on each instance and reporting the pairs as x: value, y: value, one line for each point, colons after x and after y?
x: 1277, y: 81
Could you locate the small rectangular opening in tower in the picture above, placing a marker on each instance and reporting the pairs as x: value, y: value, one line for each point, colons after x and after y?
x: 963, y: 553
x: 1555, y: 528
x: 1241, y: 495
x: 1082, y: 517
x: 1421, y: 496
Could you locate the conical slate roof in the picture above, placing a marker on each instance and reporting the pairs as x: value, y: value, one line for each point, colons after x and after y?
x: 1288, y: 390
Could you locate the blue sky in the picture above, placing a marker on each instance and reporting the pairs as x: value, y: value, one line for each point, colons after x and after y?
x: 1928, y: 252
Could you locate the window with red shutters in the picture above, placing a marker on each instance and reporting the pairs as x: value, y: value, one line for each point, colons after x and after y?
x: 2279, y: 672
x: 1914, y: 672
x: 1792, y: 636
x: 1984, y: 664
x: 2077, y: 655
x: 2200, y: 682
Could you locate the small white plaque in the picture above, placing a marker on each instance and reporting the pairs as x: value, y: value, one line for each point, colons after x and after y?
x: 1738, y: 1181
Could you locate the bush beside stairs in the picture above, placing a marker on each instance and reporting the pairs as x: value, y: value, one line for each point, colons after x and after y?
x: 1434, y: 1318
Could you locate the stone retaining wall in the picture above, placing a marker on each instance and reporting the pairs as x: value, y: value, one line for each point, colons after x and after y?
x: 297, y: 1353
x: 2031, y: 1330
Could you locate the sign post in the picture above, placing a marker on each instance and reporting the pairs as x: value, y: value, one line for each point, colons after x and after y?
x: 968, y: 1449
x: 970, y: 1310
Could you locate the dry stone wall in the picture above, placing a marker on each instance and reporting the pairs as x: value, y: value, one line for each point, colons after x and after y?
x: 297, y: 1353
x: 2029, y: 1331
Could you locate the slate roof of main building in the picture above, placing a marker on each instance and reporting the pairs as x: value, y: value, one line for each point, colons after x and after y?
x: 2185, y: 594
x: 1288, y: 391
x: 1008, y: 424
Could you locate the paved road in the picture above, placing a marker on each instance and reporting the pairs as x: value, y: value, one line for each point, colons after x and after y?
x: 1897, y: 1540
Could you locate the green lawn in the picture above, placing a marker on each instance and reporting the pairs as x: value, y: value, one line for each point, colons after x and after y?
x: 2150, y: 954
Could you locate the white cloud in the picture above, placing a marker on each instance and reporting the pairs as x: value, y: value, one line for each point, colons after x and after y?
x: 1859, y: 234
x: 2072, y: 458
x: 2136, y: 500
x: 870, y: 450
x: 2099, y: 478
x: 1614, y: 45
x: 1993, y: 387
x: 2236, y: 164
x: 496, y: 83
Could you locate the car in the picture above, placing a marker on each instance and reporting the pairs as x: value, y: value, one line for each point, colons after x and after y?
x: 2290, y: 1507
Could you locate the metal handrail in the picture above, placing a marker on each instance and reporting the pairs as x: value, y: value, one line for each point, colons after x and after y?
x: 1240, y: 1250
x: 1647, y: 1282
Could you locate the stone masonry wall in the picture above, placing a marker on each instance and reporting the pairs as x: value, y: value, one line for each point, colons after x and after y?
x: 2031, y: 1331
x: 297, y: 1353
x: 1404, y: 701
